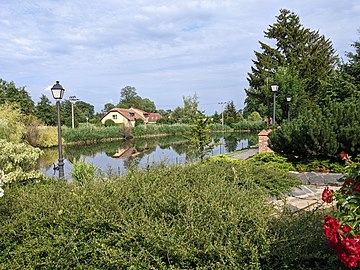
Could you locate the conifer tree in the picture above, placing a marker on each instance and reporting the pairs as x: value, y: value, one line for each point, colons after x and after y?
x: 301, y: 51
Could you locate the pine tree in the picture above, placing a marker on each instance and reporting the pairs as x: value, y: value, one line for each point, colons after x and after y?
x: 299, y: 50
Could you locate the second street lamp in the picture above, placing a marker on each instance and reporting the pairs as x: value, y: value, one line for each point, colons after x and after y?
x: 274, y: 88
x: 288, y: 99
x: 58, y: 92
x: 73, y: 99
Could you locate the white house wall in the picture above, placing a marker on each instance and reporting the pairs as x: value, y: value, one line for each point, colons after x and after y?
x: 120, y: 119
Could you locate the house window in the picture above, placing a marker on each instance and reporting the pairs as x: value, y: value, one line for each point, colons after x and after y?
x: 114, y: 116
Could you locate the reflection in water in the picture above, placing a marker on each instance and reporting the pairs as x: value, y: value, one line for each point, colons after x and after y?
x: 169, y: 150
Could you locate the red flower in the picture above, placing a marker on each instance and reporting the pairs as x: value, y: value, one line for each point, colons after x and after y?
x: 343, y: 156
x: 348, y: 182
x: 356, y: 188
x: 331, y: 227
x: 349, y: 251
x: 346, y: 228
x: 327, y: 195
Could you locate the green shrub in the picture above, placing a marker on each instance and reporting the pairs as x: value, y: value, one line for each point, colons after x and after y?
x: 272, y: 159
x: 321, y: 132
x: 83, y: 172
x: 11, y: 126
x: 109, y: 123
x: 213, y: 215
x: 298, y: 242
x: 18, y: 161
x: 48, y: 136
x: 139, y: 122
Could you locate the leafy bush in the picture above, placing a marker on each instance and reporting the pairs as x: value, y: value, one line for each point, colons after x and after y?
x: 83, y: 172
x: 48, y: 136
x: 18, y: 161
x: 11, y: 127
x: 212, y: 215
x: 109, y: 123
x: 139, y: 122
x: 272, y: 159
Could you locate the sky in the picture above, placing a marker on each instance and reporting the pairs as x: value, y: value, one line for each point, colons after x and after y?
x: 166, y: 49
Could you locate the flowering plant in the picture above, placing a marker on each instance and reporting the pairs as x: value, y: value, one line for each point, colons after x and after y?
x: 2, y: 180
x: 343, y: 230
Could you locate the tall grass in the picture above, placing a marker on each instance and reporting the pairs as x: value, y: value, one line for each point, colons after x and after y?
x: 91, y: 133
x: 152, y: 129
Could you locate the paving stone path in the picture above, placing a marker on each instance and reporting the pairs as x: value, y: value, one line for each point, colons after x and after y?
x: 308, y: 195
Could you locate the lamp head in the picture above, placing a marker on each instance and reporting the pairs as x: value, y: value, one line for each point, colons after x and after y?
x: 274, y: 86
x: 57, y: 91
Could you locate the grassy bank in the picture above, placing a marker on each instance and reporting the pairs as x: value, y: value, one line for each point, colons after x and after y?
x: 213, y: 215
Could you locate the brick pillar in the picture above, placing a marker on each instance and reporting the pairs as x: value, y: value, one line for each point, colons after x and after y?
x: 263, y: 141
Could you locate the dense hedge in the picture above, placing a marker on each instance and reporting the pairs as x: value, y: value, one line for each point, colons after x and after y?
x: 321, y: 132
x: 212, y: 215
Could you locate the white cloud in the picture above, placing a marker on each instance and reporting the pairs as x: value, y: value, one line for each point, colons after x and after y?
x: 166, y: 50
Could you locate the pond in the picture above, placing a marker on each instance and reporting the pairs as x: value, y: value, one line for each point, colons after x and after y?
x: 116, y: 157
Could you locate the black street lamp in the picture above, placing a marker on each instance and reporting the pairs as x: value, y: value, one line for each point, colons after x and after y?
x: 58, y: 92
x: 288, y: 99
x: 274, y: 88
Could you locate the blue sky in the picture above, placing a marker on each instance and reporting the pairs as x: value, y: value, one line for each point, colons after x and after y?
x: 166, y: 49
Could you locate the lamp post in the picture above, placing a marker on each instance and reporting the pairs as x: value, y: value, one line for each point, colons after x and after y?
x: 274, y: 88
x: 222, y: 113
x: 58, y: 92
x: 288, y: 99
x: 72, y: 99
x: 222, y: 120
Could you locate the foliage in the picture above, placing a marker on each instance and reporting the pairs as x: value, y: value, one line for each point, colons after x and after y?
x: 272, y: 159
x: 254, y: 116
x: 320, y: 165
x: 249, y: 125
x: 200, y: 143
x: 18, y: 161
x: 230, y: 114
x: 83, y: 172
x: 207, y: 216
x: 47, y: 137
x: 321, y: 131
x: 156, y: 129
x: 45, y: 111
x: 186, y: 113
x: 303, y: 53
x: 139, y: 121
x: 352, y: 68
x: 343, y: 229
x: 298, y: 242
x: 19, y: 97
x: 11, y: 125
x: 130, y: 98
x: 109, y: 123
x: 91, y: 133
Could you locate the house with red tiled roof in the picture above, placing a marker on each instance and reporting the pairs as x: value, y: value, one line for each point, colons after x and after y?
x: 127, y: 117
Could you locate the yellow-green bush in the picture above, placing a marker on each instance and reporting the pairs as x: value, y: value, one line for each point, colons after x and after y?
x: 48, y: 136
x: 11, y: 126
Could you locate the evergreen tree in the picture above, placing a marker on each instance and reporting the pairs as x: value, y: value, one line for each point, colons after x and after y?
x: 353, y: 66
x: 9, y: 93
x: 45, y: 111
x: 299, y: 50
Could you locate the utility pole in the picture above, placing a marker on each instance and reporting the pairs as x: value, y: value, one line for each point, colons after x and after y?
x: 72, y: 99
